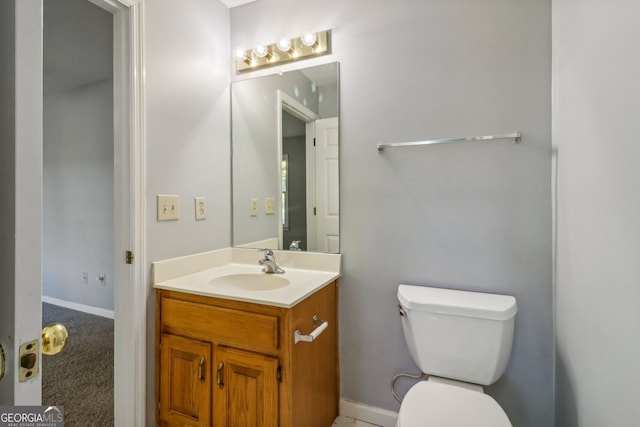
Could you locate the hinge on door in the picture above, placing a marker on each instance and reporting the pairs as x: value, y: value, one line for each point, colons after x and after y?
x: 314, y: 210
x: 314, y: 142
x: 128, y: 257
x: 279, y: 373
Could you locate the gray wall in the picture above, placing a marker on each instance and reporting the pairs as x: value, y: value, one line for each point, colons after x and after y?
x: 78, y: 153
x: 596, y: 132
x: 187, y: 134
x: 467, y: 216
x: 187, y: 122
x: 78, y: 195
x: 328, y: 101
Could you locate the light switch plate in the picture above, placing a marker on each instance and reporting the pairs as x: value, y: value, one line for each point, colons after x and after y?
x: 168, y: 207
x: 201, y: 208
x: 269, y: 205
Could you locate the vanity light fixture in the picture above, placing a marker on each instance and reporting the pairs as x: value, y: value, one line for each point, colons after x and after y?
x: 285, y: 50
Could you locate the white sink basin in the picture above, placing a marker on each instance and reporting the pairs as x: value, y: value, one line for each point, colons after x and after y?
x: 250, y: 281
x: 234, y: 274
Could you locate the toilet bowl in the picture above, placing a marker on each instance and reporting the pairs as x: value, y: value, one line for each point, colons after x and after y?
x: 438, y: 404
x: 462, y: 341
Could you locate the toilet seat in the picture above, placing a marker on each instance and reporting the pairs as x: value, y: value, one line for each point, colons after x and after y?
x: 433, y: 404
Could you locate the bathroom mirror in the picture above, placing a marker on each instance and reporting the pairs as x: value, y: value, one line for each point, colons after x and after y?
x: 285, y: 160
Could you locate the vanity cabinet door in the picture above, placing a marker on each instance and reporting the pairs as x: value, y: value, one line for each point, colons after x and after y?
x: 246, y: 389
x: 185, y: 381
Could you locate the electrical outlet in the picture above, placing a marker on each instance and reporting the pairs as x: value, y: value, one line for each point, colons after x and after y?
x: 201, y: 208
x: 253, y: 209
x: 85, y: 277
x: 102, y: 279
x: 168, y: 207
x: 269, y: 206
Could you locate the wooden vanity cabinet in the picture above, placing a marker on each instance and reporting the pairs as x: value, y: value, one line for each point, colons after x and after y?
x: 228, y: 363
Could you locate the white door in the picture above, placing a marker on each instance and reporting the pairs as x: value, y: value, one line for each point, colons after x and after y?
x: 327, y: 228
x: 21, y: 187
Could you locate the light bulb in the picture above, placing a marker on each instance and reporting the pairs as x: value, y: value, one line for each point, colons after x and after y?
x: 284, y: 45
x: 261, y: 51
x: 309, y: 39
x: 241, y: 54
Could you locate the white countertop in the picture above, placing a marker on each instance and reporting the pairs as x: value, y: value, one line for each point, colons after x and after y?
x: 195, y: 274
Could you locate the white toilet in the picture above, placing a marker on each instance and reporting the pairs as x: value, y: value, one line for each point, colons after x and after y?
x: 462, y: 340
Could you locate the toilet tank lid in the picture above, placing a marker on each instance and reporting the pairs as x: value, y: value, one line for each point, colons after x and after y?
x: 457, y: 303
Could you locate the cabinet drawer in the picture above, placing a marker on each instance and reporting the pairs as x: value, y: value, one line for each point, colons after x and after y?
x: 240, y: 329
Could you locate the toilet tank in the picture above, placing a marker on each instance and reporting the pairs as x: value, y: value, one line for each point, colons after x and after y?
x: 461, y: 335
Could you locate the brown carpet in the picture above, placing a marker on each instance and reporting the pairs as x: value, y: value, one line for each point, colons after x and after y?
x: 80, y: 378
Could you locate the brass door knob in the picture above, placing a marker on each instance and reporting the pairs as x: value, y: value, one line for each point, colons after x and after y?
x: 54, y: 338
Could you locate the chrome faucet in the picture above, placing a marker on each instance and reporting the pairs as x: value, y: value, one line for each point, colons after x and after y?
x: 295, y: 245
x: 268, y: 263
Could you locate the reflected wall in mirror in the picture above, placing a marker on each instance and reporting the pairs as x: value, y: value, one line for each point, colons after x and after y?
x: 285, y: 154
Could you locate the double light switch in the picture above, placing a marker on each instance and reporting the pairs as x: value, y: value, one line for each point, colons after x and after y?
x: 168, y: 207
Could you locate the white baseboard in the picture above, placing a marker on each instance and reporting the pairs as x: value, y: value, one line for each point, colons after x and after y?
x: 366, y: 413
x: 102, y: 312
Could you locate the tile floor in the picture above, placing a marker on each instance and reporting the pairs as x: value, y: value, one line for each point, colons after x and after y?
x: 342, y: 421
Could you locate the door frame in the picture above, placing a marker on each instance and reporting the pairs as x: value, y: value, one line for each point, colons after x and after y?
x: 285, y: 102
x: 131, y: 291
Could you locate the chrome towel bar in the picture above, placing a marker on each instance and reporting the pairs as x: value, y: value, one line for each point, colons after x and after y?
x: 516, y: 136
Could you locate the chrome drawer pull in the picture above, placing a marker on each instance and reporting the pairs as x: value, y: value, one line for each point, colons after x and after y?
x: 299, y: 336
